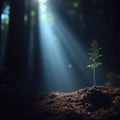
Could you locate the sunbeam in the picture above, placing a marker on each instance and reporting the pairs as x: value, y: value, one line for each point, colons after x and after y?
x: 64, y: 60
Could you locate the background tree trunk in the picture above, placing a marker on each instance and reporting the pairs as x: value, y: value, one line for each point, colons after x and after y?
x: 13, y: 60
x: 0, y: 27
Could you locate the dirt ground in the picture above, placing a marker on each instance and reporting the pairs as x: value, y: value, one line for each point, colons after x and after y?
x: 91, y: 103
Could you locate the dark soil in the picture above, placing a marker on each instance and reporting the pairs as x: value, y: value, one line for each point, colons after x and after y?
x: 91, y: 103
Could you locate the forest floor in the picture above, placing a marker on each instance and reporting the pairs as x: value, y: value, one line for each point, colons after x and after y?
x: 90, y: 103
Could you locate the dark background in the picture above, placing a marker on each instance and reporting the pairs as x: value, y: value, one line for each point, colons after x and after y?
x: 91, y: 19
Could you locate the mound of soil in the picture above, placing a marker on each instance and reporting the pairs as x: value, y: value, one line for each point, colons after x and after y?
x: 91, y: 103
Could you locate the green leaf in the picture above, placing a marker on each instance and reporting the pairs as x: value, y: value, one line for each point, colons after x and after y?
x: 90, y: 66
x: 94, y: 55
x: 99, y: 63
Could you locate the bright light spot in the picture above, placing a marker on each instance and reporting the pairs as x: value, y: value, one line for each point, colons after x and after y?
x: 32, y: 13
x: 42, y: 1
x: 42, y: 8
x: 43, y: 17
x: 5, y: 13
x: 4, y: 16
x: 70, y: 66
x: 75, y: 4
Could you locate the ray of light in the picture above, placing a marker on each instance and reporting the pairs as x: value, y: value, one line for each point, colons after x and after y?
x: 64, y: 59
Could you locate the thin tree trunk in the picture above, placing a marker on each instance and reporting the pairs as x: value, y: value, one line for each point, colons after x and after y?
x: 94, y: 75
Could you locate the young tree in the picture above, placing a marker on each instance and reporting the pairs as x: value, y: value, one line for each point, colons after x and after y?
x: 94, y: 56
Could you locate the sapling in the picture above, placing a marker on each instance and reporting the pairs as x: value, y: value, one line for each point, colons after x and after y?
x: 94, y: 56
